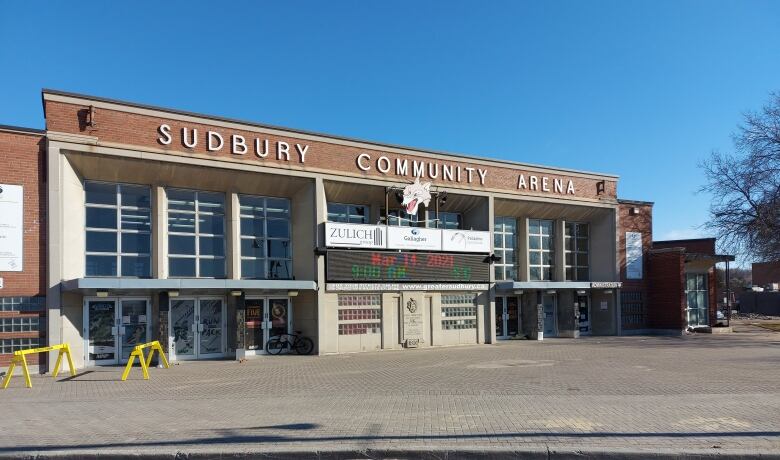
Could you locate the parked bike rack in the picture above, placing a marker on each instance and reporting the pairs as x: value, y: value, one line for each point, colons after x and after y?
x: 19, y: 359
x: 138, y: 352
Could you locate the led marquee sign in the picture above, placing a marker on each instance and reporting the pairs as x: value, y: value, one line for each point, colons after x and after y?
x: 382, y: 266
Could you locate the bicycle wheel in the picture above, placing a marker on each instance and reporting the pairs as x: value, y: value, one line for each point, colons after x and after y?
x: 304, y: 346
x: 274, y: 346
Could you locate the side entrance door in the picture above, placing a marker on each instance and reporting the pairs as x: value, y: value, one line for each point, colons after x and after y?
x: 197, y: 328
x: 583, y: 305
x: 266, y: 317
x: 550, y: 313
x: 507, y: 316
x: 113, y: 326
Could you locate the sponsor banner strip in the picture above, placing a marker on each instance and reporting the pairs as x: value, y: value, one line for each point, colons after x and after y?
x: 406, y: 287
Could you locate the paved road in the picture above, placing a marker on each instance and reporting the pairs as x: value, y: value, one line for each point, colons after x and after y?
x: 705, y: 393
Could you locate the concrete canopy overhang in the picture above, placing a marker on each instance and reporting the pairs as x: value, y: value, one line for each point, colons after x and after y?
x: 694, y: 261
x: 183, y: 285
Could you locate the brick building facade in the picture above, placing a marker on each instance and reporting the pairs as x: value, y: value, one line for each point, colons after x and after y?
x: 216, y: 236
x: 22, y: 307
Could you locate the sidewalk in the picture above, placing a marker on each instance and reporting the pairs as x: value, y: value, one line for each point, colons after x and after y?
x: 711, y: 395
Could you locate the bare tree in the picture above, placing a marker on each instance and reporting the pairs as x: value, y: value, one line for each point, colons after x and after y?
x: 745, y: 187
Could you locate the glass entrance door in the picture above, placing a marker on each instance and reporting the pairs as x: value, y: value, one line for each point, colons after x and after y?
x: 114, y: 327
x: 266, y: 317
x: 279, y: 316
x: 697, y: 313
x: 500, y: 318
x: 210, y: 329
x: 197, y: 328
x: 133, y: 324
x: 255, y: 325
x: 182, y: 328
x: 101, y: 332
x: 512, y: 317
x: 507, y: 316
x: 583, y: 306
x: 550, y: 323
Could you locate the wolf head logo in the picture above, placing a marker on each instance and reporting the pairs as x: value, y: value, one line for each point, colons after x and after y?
x: 415, y: 194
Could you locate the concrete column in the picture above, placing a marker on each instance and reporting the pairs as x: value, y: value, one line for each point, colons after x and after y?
x: 522, y: 249
x: 435, y: 319
x: 54, y: 250
x: 489, y: 326
x: 321, y: 216
x: 160, y: 232
x: 233, y: 236
x: 306, y: 222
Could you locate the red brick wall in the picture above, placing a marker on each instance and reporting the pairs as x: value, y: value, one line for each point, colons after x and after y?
x: 118, y: 127
x: 666, y: 307
x: 765, y: 273
x: 641, y: 222
x: 22, y: 163
x: 695, y: 246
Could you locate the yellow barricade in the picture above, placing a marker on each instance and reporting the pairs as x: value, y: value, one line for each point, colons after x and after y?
x: 19, y: 359
x: 138, y: 352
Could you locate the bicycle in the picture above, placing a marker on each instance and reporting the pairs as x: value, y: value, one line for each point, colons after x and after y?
x: 301, y: 345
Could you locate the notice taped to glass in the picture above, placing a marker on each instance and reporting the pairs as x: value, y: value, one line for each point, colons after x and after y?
x: 389, y: 266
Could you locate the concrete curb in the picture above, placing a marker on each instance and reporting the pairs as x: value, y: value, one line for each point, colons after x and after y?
x: 412, y: 454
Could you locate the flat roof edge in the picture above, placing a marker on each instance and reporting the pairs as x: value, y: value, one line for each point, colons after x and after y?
x: 637, y: 202
x: 684, y: 240
x: 87, y: 97
x: 22, y: 130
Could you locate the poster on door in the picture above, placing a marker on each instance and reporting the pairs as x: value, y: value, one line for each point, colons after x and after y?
x: 102, y: 344
x: 278, y: 317
x: 254, y: 324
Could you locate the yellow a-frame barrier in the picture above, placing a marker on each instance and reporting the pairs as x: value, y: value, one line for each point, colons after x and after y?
x: 138, y: 352
x: 19, y: 359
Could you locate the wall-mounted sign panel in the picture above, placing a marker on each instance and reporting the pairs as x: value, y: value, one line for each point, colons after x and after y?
x: 423, y: 239
x: 606, y: 285
x: 377, y: 266
x: 633, y: 255
x: 11, y: 228
x: 355, y: 235
x: 465, y: 241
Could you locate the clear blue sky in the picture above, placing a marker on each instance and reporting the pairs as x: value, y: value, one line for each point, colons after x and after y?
x: 642, y: 89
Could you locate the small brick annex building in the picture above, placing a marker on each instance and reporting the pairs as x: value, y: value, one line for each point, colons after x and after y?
x: 123, y: 223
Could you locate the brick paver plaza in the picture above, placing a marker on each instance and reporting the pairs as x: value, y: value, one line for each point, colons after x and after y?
x: 703, y: 393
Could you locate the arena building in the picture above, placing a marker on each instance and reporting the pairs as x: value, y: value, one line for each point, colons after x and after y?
x: 124, y: 223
